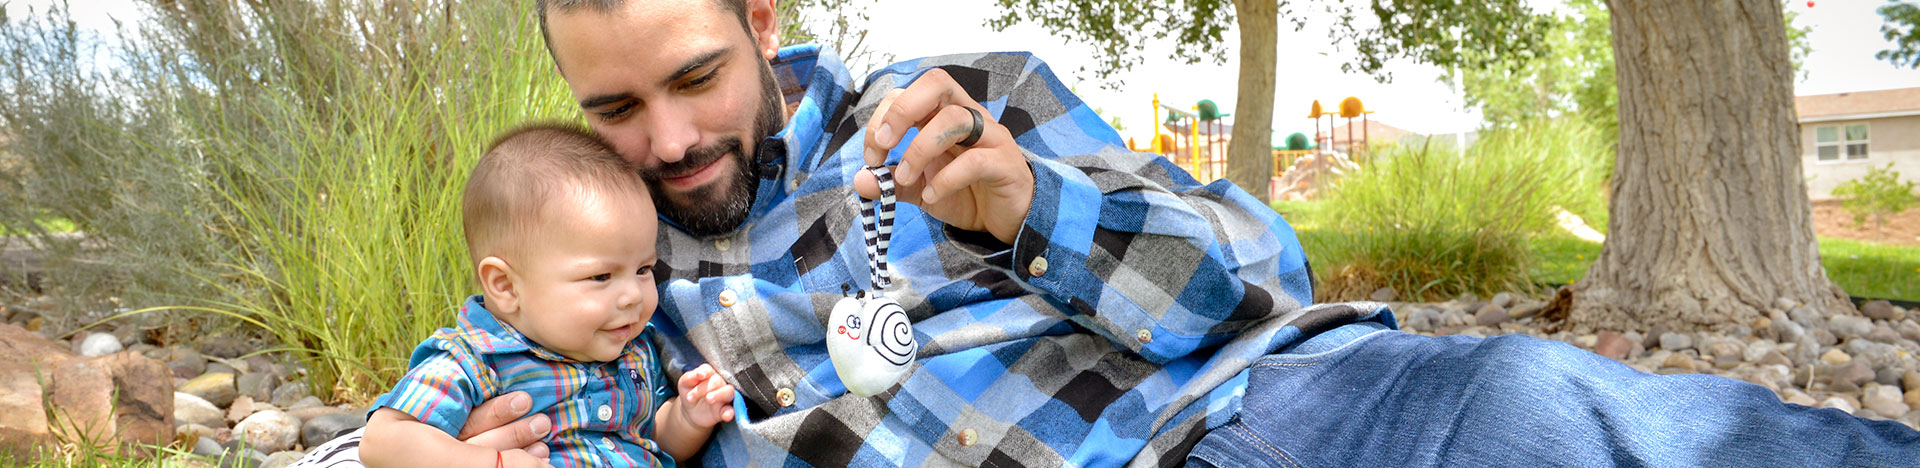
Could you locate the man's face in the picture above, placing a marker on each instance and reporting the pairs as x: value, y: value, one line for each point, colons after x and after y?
x: 680, y: 90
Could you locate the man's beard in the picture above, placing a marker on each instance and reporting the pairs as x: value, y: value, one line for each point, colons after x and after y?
x: 719, y: 208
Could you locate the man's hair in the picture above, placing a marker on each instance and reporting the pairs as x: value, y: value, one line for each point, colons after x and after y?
x: 527, y: 169
x: 738, y: 7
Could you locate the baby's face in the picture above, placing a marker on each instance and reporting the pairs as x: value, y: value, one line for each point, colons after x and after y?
x: 586, y: 280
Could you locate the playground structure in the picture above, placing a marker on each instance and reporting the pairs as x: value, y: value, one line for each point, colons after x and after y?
x: 1196, y: 139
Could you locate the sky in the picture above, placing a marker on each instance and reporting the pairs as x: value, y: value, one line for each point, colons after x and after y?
x: 1844, y: 35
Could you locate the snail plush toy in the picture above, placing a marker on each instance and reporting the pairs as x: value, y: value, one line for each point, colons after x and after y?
x: 869, y: 336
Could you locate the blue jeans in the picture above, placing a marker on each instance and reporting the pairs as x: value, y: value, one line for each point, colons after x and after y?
x: 1362, y: 395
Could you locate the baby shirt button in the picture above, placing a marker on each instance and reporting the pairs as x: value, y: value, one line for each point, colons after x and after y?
x: 1145, y: 336
x: 606, y: 413
x: 1038, y: 268
x: 786, y: 396
x: 726, y: 298
x: 722, y: 244
x: 968, y: 438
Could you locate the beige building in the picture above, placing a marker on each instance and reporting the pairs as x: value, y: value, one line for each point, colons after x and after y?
x: 1843, y: 135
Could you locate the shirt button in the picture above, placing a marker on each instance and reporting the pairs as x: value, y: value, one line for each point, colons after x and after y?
x: 606, y: 413
x: 794, y: 184
x: 726, y: 298
x: 786, y: 396
x: 1038, y: 267
x: 722, y: 244
x: 1144, y: 335
x: 608, y: 443
x: 968, y: 438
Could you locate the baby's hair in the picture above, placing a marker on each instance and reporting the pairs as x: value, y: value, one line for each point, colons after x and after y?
x: 527, y: 168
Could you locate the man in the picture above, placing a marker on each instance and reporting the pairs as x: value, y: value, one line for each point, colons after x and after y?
x: 1075, y: 304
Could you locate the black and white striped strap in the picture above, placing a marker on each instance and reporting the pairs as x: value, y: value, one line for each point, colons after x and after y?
x: 879, y: 228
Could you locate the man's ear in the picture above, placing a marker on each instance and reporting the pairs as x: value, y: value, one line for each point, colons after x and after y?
x: 496, y: 280
x: 765, y: 26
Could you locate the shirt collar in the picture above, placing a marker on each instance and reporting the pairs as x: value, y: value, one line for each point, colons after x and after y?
x: 489, y: 335
x: 814, y: 84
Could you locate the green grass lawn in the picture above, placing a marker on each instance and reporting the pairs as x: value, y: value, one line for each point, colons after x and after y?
x: 1863, y: 269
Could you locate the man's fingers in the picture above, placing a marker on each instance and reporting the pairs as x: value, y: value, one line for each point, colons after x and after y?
x: 877, y: 127
x: 537, y: 449
x: 937, y: 137
x: 497, y: 412
x: 869, y: 188
x: 519, y: 434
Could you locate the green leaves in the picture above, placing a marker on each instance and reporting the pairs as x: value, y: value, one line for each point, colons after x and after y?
x: 1903, y: 28
x: 1876, y: 195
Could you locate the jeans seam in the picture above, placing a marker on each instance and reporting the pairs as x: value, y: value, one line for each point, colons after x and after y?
x: 1247, y: 435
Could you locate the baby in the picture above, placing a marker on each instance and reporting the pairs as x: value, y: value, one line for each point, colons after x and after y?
x: 561, y: 233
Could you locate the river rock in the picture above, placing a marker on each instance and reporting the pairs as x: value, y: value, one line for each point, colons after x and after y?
x: 258, y: 385
x: 1836, y: 357
x: 100, y: 344
x: 1795, y: 396
x: 1807, y: 317
x: 1675, y: 341
x: 1758, y: 349
x: 1612, y: 345
x: 1503, y: 300
x: 1909, y: 329
x: 1855, y: 374
x: 268, y: 431
x: 1884, y: 334
x: 282, y: 459
x: 1822, y: 336
x: 1848, y: 326
x: 190, y: 409
x: 1386, y: 294
x: 1839, y: 403
x: 215, y: 387
x: 240, y: 409
x: 325, y: 427
x: 118, y: 399
x: 1785, y: 330
x: 1878, y: 310
x: 1490, y: 315
x: 1885, y: 400
x: 289, y: 393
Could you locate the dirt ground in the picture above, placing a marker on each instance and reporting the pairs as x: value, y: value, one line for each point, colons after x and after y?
x: 1830, y: 220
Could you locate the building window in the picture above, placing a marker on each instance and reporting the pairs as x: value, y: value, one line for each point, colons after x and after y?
x: 1831, y: 141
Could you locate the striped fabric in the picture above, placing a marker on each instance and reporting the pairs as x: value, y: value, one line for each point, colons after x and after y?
x: 1115, y: 330
x: 877, y: 217
x: 602, y: 411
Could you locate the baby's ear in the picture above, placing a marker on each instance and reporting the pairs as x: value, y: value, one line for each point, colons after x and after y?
x: 496, y: 280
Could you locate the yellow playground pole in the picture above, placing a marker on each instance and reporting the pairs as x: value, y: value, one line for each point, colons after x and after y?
x: 1193, y: 142
x: 1155, y: 145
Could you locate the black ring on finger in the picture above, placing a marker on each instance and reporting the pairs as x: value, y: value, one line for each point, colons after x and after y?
x: 979, y: 126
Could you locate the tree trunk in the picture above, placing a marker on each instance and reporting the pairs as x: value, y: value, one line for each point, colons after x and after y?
x: 1250, y: 155
x: 1710, y: 220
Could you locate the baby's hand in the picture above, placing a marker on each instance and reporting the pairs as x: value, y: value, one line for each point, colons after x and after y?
x: 706, y: 399
x: 517, y: 458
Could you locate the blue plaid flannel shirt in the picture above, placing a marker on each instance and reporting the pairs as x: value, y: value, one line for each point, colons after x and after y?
x: 1116, y: 329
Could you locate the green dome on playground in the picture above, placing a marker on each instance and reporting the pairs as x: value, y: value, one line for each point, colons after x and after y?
x: 1209, y: 110
x: 1298, y: 141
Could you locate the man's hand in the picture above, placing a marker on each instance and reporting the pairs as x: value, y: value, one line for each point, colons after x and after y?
x: 707, y: 398
x: 986, y: 186
x: 493, y: 425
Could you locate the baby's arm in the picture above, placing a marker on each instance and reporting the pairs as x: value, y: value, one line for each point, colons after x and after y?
x: 395, y: 439
x: 682, y: 424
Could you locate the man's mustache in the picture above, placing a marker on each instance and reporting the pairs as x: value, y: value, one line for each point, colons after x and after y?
x: 696, y: 158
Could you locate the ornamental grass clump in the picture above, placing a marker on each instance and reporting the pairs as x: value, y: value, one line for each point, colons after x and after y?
x: 1434, y: 223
